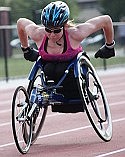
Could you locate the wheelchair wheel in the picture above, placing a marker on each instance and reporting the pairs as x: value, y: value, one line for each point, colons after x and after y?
x: 21, y: 125
x: 40, y: 112
x: 94, y: 98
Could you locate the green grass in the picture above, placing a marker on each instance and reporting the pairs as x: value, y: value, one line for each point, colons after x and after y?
x: 19, y: 67
x: 116, y: 61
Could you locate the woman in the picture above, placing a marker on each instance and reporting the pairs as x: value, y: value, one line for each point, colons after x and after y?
x: 59, y: 41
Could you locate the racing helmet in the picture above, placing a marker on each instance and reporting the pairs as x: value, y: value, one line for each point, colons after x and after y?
x: 55, y: 14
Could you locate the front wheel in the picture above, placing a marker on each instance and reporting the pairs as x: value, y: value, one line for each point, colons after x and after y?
x: 39, y: 114
x: 21, y: 124
x: 95, y: 100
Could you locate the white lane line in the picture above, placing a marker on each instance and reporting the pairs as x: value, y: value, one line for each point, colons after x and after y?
x: 55, y: 114
x: 8, y: 144
x: 111, y: 153
x: 5, y: 124
x: 110, y: 93
x: 4, y: 102
x: 52, y: 134
x: 62, y: 132
x: 118, y: 120
x: 48, y: 116
x: 65, y: 131
x: 109, y: 85
x: 4, y: 111
x: 116, y: 93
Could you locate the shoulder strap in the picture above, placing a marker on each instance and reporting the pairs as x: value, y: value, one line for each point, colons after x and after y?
x: 67, y: 39
x: 43, y: 43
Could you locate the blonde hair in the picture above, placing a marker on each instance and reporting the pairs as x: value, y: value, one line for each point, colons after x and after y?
x: 70, y: 23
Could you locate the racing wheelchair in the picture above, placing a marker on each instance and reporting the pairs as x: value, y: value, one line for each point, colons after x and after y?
x: 29, y: 106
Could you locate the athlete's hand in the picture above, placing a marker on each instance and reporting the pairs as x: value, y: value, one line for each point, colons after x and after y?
x: 30, y: 54
x: 106, y: 51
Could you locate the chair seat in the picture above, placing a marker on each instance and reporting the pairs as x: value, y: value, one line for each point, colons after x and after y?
x: 71, y: 106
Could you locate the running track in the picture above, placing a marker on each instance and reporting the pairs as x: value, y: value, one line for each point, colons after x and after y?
x: 69, y: 135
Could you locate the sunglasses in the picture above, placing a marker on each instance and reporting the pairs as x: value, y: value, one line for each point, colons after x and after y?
x: 55, y: 31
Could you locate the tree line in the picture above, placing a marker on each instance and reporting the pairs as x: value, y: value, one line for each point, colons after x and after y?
x: 32, y: 8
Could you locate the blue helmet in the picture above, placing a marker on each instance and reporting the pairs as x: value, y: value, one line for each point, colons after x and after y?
x: 55, y: 14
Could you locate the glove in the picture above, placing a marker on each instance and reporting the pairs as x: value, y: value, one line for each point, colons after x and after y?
x: 84, y: 54
x: 30, y: 54
x: 106, y: 51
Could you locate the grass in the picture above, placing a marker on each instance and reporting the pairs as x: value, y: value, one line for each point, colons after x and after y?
x: 116, y: 61
x: 19, y: 67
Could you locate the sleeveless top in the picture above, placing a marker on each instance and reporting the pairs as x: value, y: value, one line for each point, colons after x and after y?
x: 69, y: 54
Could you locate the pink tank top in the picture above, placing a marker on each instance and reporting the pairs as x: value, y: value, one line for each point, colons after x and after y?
x: 69, y: 54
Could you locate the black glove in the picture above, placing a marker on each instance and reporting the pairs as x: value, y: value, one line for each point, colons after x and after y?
x: 30, y: 54
x: 84, y: 54
x: 106, y: 51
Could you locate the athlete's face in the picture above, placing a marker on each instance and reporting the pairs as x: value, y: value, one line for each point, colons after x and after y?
x: 54, y: 33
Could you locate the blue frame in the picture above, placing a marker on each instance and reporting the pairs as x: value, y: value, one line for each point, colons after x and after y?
x: 74, y: 63
x: 49, y: 90
x: 38, y: 64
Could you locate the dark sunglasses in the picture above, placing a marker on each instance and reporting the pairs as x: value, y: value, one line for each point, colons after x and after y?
x: 54, y: 31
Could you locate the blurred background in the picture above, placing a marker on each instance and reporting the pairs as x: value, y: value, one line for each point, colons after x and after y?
x: 12, y: 63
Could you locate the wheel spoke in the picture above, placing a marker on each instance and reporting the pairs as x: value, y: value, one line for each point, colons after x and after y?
x: 95, y: 100
x: 40, y: 111
x: 19, y: 120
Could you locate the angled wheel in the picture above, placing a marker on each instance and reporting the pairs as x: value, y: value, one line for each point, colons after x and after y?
x: 21, y: 125
x: 95, y: 100
x: 41, y: 111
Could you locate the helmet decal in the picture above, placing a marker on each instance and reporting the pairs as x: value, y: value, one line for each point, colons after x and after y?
x: 55, y: 14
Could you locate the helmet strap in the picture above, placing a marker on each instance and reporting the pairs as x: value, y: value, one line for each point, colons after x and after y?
x: 60, y: 39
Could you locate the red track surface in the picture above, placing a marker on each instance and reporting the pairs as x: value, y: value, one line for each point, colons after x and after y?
x: 66, y: 135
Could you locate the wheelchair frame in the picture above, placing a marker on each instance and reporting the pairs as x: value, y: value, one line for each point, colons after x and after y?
x: 37, y: 98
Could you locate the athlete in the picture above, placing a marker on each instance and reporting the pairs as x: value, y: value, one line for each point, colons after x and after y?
x: 59, y: 41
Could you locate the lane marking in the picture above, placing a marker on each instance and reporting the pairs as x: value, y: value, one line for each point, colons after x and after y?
x: 48, y: 116
x: 110, y: 153
x: 56, y: 114
x: 4, y: 102
x: 62, y: 132
x: 4, y: 124
x: 109, y: 85
x: 52, y: 134
x: 8, y: 144
x: 110, y: 94
x: 113, y: 93
x: 4, y: 111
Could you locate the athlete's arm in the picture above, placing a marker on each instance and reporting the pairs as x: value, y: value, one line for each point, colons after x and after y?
x: 27, y: 28
x: 101, y: 22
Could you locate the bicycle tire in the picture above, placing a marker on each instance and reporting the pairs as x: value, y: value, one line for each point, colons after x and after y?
x: 38, y: 118
x: 19, y: 123
x: 95, y: 100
